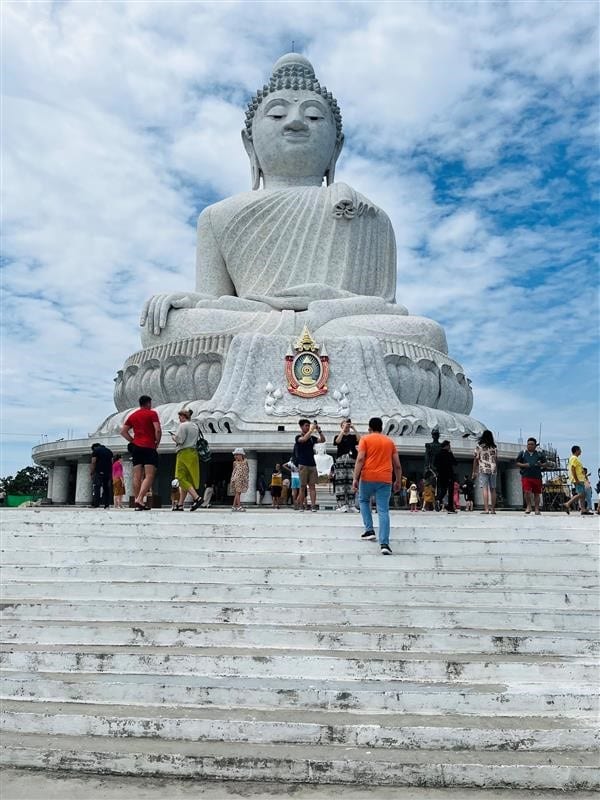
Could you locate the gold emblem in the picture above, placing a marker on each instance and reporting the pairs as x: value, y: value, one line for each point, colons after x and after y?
x: 307, y: 367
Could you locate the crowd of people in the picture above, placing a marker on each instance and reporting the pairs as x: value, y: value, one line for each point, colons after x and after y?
x: 366, y: 473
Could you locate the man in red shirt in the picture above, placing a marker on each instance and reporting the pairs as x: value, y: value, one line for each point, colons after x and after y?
x: 147, y: 433
x: 377, y: 459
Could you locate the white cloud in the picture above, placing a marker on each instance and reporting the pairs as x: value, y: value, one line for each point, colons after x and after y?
x: 473, y: 125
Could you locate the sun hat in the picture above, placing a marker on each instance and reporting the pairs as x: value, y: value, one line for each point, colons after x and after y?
x: 239, y: 451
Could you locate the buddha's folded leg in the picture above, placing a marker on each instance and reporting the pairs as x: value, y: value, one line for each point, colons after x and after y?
x: 417, y: 330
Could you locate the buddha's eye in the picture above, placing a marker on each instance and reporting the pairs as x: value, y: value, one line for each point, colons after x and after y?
x: 313, y: 114
x: 277, y: 112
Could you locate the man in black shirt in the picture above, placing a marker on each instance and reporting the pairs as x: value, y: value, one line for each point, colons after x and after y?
x: 101, y: 472
x: 304, y: 456
x: 444, y: 465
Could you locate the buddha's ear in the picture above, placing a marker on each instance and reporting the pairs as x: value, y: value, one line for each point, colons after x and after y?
x: 330, y: 171
x: 255, y: 169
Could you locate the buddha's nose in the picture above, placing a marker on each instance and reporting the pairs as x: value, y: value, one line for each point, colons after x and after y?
x: 296, y: 124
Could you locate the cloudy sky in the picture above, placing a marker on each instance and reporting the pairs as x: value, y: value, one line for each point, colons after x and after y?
x: 474, y: 125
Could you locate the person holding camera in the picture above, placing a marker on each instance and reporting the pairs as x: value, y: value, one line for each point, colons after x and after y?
x: 531, y: 461
x: 305, y: 458
x: 346, y: 442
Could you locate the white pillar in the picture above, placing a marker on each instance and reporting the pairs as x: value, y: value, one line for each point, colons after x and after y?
x: 60, y: 483
x: 83, y: 486
x: 514, y: 491
x: 127, y: 478
x: 50, y: 470
x: 250, y: 495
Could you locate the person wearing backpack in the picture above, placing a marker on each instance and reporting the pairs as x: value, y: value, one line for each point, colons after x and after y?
x: 187, y: 464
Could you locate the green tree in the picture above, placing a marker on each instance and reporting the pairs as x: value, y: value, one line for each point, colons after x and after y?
x: 29, y: 480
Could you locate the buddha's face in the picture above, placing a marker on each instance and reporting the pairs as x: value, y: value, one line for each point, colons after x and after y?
x: 294, y: 134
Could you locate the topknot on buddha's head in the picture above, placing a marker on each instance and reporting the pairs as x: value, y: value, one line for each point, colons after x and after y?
x: 293, y: 71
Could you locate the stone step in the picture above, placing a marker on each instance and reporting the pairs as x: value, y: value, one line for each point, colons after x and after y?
x: 376, y: 596
x: 369, y: 561
x: 570, y: 771
x: 304, y: 526
x: 352, y: 666
x: 52, y: 632
x: 411, y: 732
x: 501, y: 622
x: 294, y: 549
x: 383, y: 696
x: 278, y: 645
x: 500, y: 577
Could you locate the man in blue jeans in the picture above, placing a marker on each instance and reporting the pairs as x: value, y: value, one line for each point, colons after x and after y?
x: 377, y: 459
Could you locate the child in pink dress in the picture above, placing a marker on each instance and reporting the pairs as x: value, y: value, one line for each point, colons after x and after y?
x: 456, y: 496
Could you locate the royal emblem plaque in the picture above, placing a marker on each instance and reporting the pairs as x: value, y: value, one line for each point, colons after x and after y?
x: 307, y: 367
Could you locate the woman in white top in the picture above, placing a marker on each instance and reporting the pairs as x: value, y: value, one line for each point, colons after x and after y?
x: 485, y: 463
x: 187, y: 465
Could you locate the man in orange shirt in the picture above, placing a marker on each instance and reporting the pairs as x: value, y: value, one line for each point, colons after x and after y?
x: 377, y: 459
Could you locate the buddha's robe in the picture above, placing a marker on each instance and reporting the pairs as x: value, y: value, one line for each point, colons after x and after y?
x: 288, y: 247
x: 275, y: 260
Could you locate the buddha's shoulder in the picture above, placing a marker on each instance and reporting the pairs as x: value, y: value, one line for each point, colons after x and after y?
x: 346, y: 198
x: 223, y: 210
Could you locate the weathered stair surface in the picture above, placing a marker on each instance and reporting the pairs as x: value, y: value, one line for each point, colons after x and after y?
x: 278, y: 646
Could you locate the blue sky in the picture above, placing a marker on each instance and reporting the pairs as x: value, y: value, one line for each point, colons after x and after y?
x: 474, y: 125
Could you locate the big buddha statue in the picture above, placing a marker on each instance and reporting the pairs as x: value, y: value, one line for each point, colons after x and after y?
x: 298, y: 252
x: 299, y: 248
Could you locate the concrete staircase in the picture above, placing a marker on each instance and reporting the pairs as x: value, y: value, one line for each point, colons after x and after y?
x: 278, y: 646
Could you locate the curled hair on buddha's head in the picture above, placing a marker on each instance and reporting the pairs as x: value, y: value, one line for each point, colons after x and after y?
x: 295, y: 72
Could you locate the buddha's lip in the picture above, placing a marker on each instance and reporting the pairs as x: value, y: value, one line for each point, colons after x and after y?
x: 296, y: 135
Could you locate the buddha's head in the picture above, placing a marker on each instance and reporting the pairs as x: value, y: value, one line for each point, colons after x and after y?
x: 293, y: 126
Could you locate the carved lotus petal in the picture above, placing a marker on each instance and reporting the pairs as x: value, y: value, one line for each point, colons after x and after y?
x: 278, y: 394
x: 269, y: 387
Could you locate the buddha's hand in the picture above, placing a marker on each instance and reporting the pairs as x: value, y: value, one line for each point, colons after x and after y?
x: 156, y: 309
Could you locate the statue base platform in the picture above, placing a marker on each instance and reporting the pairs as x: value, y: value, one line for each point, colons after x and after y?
x: 239, y: 384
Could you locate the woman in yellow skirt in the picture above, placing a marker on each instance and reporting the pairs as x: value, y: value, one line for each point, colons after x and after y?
x: 187, y: 464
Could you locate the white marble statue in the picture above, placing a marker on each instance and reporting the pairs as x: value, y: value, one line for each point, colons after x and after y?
x: 295, y: 251
x: 323, y: 460
x: 298, y: 249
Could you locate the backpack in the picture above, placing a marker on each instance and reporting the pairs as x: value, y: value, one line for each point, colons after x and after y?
x: 202, y: 447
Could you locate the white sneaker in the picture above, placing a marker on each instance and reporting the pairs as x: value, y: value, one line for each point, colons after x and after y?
x: 342, y: 509
x: 353, y: 509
